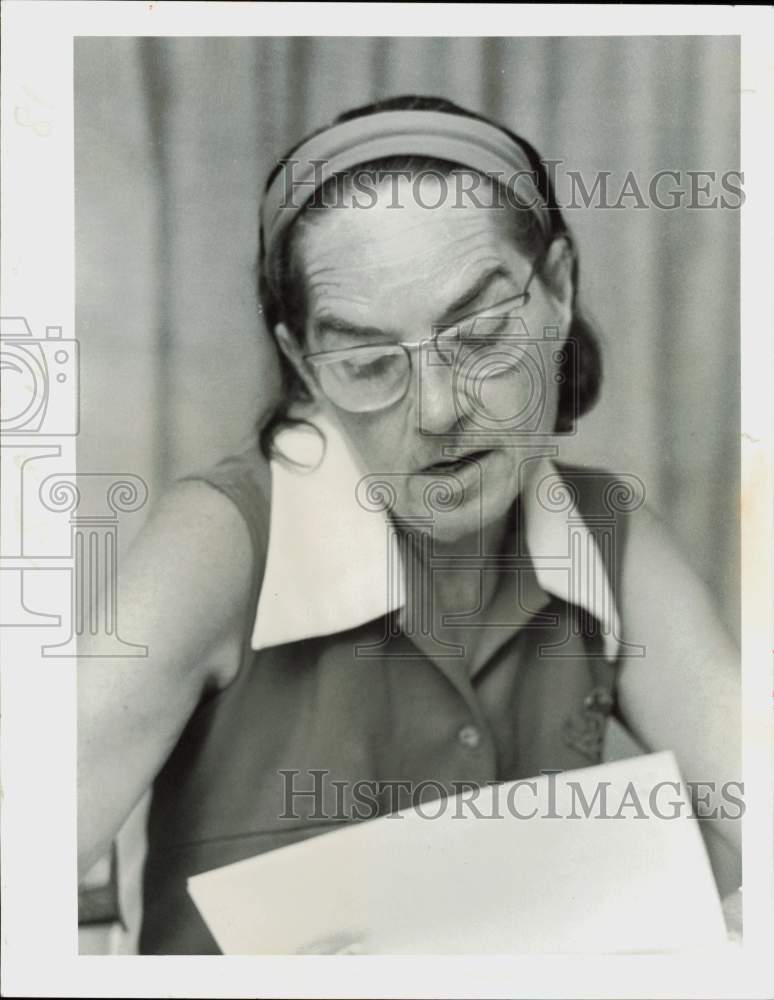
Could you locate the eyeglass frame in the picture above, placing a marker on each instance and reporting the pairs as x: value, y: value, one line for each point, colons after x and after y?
x: 321, y: 358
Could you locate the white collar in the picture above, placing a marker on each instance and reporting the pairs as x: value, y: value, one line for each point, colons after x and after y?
x: 326, y: 568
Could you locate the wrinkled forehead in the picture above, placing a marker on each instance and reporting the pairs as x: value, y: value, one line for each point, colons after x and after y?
x: 405, y: 235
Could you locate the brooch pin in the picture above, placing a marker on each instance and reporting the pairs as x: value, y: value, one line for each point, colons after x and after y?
x: 584, y: 730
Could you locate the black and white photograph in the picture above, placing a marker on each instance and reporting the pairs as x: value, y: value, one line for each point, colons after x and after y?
x: 378, y: 501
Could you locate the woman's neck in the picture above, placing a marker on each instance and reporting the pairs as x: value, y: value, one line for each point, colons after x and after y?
x: 448, y: 571
x: 451, y: 591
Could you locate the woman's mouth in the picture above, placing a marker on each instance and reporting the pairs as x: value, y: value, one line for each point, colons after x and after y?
x: 457, y: 463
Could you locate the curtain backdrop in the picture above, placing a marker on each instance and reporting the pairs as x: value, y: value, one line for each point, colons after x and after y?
x: 174, y: 138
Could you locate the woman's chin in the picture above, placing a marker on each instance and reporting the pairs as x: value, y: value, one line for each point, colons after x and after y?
x: 453, y: 508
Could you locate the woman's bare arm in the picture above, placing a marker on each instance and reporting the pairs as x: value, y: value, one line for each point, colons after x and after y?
x: 684, y: 694
x: 183, y: 589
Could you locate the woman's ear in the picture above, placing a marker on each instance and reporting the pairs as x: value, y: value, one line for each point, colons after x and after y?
x: 558, y: 274
x: 287, y: 344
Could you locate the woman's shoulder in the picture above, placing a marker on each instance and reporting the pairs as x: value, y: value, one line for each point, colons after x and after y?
x: 244, y: 478
x: 236, y: 474
x: 613, y: 507
x: 207, y: 521
x: 600, y: 491
x: 649, y: 561
x: 212, y: 525
x: 187, y: 577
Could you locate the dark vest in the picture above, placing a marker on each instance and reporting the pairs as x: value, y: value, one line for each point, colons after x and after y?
x: 258, y: 763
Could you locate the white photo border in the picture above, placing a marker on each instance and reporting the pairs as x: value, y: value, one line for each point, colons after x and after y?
x: 38, y: 695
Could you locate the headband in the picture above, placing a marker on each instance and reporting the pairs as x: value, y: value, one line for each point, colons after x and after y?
x: 466, y: 141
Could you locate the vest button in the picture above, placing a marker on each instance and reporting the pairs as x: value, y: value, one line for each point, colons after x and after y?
x: 469, y: 736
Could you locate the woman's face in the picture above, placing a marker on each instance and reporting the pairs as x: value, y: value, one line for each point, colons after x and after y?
x: 387, y: 274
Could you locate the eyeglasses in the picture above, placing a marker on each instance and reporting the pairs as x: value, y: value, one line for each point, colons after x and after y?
x: 373, y: 377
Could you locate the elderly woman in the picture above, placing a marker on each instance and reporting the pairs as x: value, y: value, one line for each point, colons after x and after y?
x: 401, y: 584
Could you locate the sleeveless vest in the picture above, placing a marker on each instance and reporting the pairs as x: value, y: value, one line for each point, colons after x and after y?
x: 277, y: 755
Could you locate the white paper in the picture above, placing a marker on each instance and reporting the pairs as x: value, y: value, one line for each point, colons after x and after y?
x: 405, y: 884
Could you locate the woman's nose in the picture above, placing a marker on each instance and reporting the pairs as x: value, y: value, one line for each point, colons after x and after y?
x: 439, y: 406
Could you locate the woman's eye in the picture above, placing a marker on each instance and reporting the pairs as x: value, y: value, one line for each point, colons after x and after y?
x: 367, y: 367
